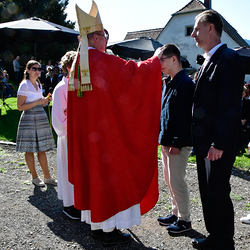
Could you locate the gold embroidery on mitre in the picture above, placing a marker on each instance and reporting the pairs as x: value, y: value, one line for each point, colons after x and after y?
x: 90, y: 29
x: 89, y: 23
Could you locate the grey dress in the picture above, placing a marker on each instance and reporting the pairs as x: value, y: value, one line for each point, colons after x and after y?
x: 34, y: 133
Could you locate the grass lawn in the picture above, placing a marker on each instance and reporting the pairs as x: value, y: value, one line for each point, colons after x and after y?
x: 9, y: 118
x: 10, y: 115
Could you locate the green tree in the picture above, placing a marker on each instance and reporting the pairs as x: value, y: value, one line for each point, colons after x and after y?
x: 50, y: 10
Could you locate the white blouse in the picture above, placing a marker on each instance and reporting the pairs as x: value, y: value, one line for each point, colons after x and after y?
x: 26, y: 88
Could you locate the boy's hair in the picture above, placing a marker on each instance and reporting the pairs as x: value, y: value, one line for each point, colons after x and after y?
x: 172, y: 50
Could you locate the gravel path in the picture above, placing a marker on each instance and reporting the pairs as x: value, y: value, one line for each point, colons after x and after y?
x: 32, y: 218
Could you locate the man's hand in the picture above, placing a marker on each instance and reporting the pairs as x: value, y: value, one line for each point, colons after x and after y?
x: 174, y: 151
x: 214, y: 154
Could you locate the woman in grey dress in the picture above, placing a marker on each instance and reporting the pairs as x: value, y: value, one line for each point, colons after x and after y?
x: 34, y: 134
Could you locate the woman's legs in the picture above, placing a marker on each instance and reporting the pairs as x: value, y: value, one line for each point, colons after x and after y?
x: 29, y: 158
x: 44, y: 163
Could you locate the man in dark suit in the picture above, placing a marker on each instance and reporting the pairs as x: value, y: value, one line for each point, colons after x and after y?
x: 51, y: 82
x: 216, y: 129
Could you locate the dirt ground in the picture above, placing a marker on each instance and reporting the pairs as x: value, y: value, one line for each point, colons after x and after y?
x: 32, y: 218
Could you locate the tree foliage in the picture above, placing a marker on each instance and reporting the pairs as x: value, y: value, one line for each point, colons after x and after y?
x: 50, y: 10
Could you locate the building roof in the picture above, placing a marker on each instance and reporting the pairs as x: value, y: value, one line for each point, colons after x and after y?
x: 192, y: 6
x: 232, y: 32
x: 153, y: 33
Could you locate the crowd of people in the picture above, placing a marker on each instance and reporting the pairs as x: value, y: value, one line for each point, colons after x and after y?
x: 50, y: 76
x: 106, y: 114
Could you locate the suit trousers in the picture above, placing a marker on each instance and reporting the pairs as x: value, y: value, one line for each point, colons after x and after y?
x: 214, y: 185
x: 174, y: 169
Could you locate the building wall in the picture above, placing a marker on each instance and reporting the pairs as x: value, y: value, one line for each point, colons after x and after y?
x: 174, y: 32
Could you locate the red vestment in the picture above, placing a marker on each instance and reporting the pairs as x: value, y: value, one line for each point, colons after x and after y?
x: 112, y: 136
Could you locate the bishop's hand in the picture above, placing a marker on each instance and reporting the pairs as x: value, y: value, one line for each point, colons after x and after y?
x: 159, y: 52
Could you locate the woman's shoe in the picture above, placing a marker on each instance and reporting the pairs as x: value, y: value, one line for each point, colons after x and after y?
x: 245, y: 219
x: 37, y: 182
x: 50, y: 181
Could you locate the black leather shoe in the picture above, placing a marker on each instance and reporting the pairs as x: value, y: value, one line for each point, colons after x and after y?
x: 72, y: 212
x: 204, y: 243
x: 96, y: 234
x: 115, y: 237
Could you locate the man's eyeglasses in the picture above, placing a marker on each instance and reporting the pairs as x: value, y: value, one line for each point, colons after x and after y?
x: 163, y: 58
x: 105, y: 34
x: 35, y: 69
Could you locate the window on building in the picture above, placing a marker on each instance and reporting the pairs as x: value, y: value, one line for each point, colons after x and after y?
x: 189, y: 30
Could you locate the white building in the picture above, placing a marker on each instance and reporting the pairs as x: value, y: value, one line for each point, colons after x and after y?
x: 180, y: 26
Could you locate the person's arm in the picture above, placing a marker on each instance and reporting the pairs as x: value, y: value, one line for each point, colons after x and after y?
x: 181, y: 114
x: 21, y: 105
x: 227, y: 116
x: 159, y: 52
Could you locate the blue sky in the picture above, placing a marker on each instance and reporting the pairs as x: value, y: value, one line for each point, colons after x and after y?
x: 122, y: 16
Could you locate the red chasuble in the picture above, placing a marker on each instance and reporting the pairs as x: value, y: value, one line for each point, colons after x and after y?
x: 112, y: 136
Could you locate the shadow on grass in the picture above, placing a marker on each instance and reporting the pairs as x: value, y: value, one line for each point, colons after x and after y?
x: 243, y: 174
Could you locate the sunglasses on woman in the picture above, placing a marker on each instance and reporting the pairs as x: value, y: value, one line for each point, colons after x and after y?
x: 35, y: 69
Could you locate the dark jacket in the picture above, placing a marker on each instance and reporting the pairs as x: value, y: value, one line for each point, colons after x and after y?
x: 176, y: 111
x: 217, y: 103
x: 246, y: 109
x: 50, y: 85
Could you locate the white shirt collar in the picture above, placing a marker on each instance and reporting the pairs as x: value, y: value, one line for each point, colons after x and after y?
x: 208, y: 55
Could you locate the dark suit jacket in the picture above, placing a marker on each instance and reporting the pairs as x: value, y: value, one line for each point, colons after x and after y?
x: 49, y: 86
x: 246, y: 109
x: 217, y: 103
x: 176, y: 111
